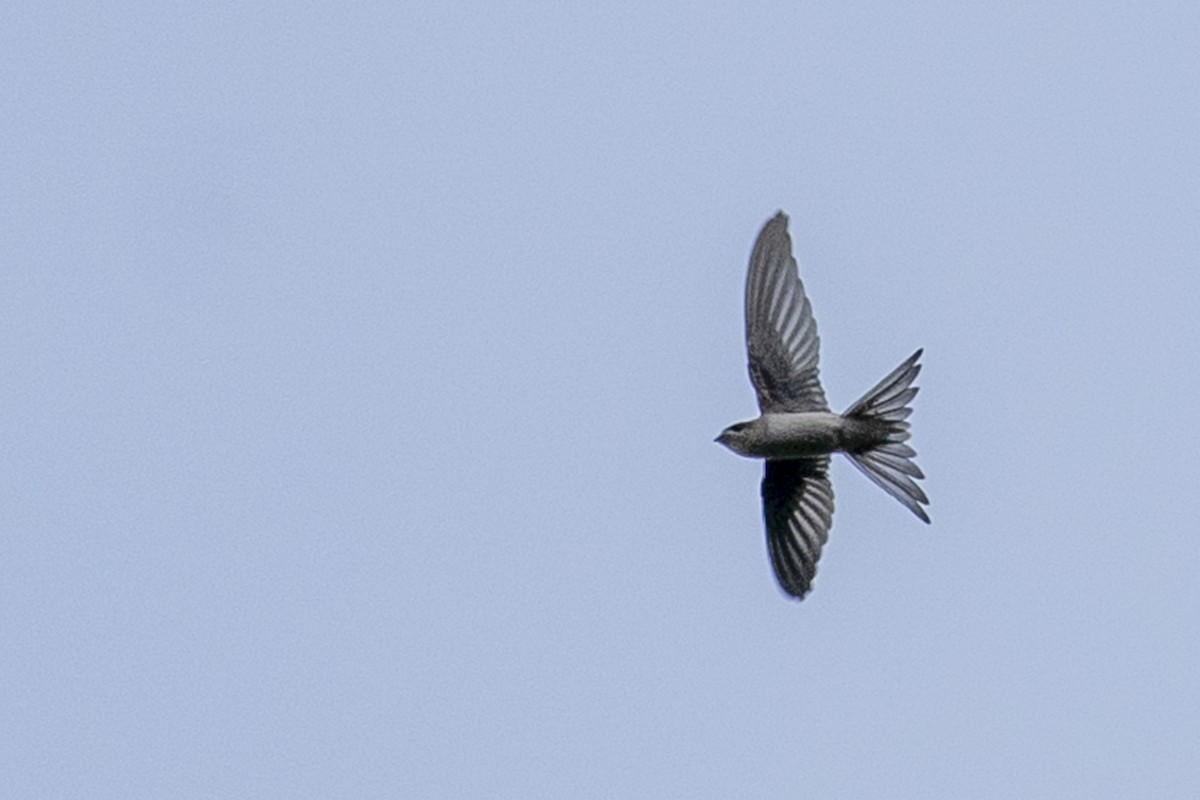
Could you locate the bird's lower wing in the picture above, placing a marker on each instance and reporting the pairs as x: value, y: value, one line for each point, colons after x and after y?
x: 798, y: 510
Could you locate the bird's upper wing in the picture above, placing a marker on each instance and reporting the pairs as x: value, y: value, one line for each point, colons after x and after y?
x: 798, y: 510
x: 781, y: 334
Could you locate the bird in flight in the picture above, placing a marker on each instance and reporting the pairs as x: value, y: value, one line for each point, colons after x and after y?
x: 796, y: 432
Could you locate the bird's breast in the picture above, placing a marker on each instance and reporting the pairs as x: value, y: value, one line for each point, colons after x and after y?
x: 810, y: 433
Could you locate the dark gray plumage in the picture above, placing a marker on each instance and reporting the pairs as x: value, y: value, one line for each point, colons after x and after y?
x: 796, y: 432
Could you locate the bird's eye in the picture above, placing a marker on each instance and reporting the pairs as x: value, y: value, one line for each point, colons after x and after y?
x: 737, y: 427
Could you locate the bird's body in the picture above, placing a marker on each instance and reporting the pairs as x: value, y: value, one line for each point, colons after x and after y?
x: 796, y: 432
x: 802, y: 435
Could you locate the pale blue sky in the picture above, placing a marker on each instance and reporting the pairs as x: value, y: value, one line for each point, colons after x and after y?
x: 361, y: 366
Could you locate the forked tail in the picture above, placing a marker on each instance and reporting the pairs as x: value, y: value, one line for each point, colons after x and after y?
x: 890, y: 463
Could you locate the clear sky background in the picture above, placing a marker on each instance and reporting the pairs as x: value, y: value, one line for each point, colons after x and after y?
x: 361, y: 366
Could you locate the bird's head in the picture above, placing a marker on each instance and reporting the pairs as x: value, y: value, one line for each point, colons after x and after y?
x: 736, y: 437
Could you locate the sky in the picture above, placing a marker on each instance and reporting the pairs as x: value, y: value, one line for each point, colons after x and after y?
x: 362, y: 363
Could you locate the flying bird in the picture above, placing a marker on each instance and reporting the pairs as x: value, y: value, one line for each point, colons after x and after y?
x: 796, y: 433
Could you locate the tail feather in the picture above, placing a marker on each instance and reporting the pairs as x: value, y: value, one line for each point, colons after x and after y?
x: 885, y: 454
x: 889, y: 464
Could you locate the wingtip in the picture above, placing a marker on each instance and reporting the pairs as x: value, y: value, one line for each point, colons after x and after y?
x: 795, y: 593
x: 780, y: 218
